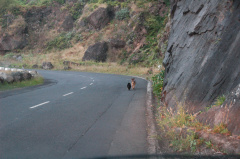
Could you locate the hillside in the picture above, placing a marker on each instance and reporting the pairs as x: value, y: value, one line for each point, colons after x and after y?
x: 64, y: 30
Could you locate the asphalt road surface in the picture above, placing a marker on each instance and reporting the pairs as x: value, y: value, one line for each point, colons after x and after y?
x: 74, y: 115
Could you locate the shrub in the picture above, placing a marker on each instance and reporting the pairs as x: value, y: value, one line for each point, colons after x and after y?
x: 221, y: 129
x: 158, y: 83
x: 122, y: 14
x: 76, y: 10
x: 62, y: 41
x: 220, y: 100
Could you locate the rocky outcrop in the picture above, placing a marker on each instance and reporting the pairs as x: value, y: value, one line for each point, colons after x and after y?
x: 100, y: 18
x: 15, y: 35
x: 96, y: 52
x: 202, y: 59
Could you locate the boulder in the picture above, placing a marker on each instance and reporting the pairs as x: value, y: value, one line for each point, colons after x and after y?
x: 33, y: 73
x: 3, y: 75
x: 67, y: 68
x: 17, y: 76
x: 68, y: 22
x: 27, y: 76
x: 100, y: 18
x: 116, y: 43
x: 9, y: 79
x: 18, y: 57
x: 96, y: 52
x: 47, y: 65
x: 202, y: 58
x: 35, y: 66
x: 1, y: 79
x: 66, y: 63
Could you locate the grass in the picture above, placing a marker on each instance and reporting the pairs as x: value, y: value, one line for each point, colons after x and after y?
x: 158, y: 83
x: 169, y: 121
x: 221, y: 129
x: 35, y: 81
x: 220, y: 100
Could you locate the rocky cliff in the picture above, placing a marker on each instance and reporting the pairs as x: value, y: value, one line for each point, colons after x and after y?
x: 202, y: 59
x: 131, y: 29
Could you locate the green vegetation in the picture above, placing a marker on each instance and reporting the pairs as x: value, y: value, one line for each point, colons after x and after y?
x: 208, y: 144
x: 170, y: 120
x: 61, y: 42
x: 158, y: 84
x: 190, y: 143
x: 221, y: 129
x: 220, y: 100
x: 155, y: 26
x: 76, y: 10
x: 122, y: 14
x: 35, y: 81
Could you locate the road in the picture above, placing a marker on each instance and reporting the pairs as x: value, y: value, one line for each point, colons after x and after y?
x: 74, y: 115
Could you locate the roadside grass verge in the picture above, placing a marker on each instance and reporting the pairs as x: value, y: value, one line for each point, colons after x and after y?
x: 35, y: 81
x: 57, y: 59
x: 175, y: 127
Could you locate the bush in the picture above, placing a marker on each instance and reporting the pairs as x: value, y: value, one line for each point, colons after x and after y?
x: 158, y: 83
x: 76, y: 10
x: 62, y: 41
x: 220, y: 100
x: 122, y: 14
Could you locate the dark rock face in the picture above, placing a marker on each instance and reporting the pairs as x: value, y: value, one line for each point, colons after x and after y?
x: 100, y: 18
x: 202, y: 59
x: 68, y: 23
x: 96, y: 52
x: 47, y: 65
x: 116, y: 43
x: 15, y: 37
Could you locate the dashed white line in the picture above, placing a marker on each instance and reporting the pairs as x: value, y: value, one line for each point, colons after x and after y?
x: 67, y: 94
x: 91, y: 84
x: 39, y: 105
x: 83, y: 87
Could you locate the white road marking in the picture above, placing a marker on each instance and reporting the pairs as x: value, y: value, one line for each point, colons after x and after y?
x: 39, y: 105
x: 67, y: 94
x: 91, y: 84
x: 83, y: 87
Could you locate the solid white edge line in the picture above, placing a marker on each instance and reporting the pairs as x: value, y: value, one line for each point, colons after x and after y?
x: 83, y: 87
x: 39, y: 105
x: 67, y: 94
